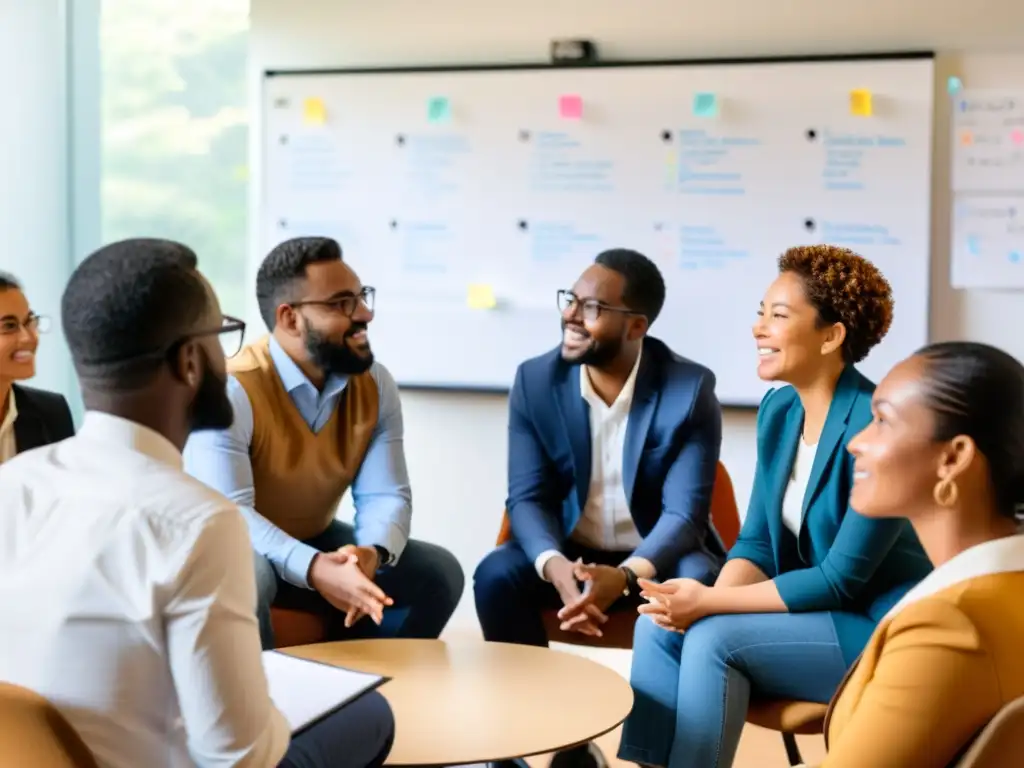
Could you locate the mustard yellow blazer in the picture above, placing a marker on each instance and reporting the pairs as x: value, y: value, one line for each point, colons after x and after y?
x: 935, y: 671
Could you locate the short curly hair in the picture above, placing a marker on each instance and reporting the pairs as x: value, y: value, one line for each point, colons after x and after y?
x: 844, y: 287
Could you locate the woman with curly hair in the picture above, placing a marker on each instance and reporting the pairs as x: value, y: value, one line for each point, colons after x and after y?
x: 808, y: 579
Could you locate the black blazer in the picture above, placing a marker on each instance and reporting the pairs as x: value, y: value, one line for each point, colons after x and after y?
x: 43, y: 418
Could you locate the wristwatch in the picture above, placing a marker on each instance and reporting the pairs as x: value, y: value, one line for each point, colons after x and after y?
x: 631, y: 584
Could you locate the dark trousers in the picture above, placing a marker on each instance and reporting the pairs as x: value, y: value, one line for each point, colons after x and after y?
x: 426, y: 584
x: 511, y: 597
x: 359, y: 735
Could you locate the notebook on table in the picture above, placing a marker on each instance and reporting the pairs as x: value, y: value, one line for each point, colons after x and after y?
x: 306, y: 691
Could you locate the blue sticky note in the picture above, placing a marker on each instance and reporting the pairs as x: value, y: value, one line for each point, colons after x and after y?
x: 439, y: 110
x: 954, y: 85
x: 1014, y: 257
x: 705, y: 105
x: 973, y: 247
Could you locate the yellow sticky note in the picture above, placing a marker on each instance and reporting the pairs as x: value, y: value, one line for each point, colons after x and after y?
x: 481, y: 296
x: 314, y: 112
x: 860, y: 102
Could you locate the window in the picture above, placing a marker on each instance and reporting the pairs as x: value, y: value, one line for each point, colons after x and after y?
x: 175, y: 131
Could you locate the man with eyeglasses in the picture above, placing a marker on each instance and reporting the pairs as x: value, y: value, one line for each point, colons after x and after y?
x: 613, y: 447
x: 316, y: 416
x: 127, y: 586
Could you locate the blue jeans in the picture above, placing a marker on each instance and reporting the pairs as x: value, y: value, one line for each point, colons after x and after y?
x: 692, y: 690
x: 426, y: 584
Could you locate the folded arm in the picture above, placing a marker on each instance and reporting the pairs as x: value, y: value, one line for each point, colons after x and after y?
x: 213, y: 647
x: 381, y: 492
x: 933, y: 689
x: 220, y: 459
x: 686, y: 494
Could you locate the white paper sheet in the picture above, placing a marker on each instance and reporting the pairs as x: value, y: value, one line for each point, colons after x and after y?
x: 306, y: 690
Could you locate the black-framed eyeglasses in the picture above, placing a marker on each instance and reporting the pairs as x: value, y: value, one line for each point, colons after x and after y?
x: 231, y: 334
x: 590, y: 309
x: 345, y: 305
x: 33, y: 323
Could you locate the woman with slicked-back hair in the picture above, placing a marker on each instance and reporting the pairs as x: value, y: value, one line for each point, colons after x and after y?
x: 29, y: 418
x: 946, y: 452
x: 808, y: 579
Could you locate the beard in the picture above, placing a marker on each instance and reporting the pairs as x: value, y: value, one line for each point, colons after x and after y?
x: 596, y: 354
x: 211, y: 408
x: 333, y: 357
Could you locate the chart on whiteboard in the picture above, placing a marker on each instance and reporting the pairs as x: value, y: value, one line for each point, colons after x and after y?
x: 988, y: 186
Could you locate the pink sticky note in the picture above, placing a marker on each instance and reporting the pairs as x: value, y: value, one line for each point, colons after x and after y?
x: 570, y: 107
x: 1017, y: 136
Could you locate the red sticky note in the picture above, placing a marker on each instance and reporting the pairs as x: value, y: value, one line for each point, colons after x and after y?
x: 570, y: 107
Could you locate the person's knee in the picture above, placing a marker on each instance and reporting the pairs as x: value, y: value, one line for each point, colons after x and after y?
x: 380, y: 722
x: 499, y: 574
x: 449, y: 577
x: 708, y: 640
x: 266, y: 583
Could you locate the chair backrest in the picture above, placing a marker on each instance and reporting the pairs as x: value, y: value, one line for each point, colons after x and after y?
x: 1001, y: 742
x: 34, y: 733
x: 725, y: 515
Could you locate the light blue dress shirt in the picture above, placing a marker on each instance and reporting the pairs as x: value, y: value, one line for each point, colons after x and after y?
x: 380, y: 490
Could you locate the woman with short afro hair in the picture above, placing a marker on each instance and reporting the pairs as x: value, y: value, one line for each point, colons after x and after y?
x: 808, y: 578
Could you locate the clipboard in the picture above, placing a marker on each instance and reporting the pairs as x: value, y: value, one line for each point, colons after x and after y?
x: 307, y: 691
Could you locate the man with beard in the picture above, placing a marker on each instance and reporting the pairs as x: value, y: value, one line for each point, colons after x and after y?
x: 315, y: 416
x: 613, y: 448
x: 127, y: 591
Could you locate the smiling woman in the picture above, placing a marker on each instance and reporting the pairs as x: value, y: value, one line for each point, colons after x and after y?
x: 28, y: 417
x: 808, y: 578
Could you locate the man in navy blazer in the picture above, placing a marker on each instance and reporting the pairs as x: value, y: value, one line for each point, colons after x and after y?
x: 613, y: 446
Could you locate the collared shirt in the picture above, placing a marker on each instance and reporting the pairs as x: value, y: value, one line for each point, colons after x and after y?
x: 606, y: 523
x: 8, y: 443
x: 128, y: 596
x: 380, y: 490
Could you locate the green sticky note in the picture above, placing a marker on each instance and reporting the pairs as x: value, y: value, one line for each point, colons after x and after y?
x: 705, y: 105
x: 439, y: 110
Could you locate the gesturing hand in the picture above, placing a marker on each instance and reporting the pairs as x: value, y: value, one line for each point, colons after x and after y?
x: 603, y: 585
x: 674, y: 604
x: 367, y: 557
x: 338, y: 577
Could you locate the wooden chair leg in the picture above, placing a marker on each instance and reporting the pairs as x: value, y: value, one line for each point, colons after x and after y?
x: 792, y: 750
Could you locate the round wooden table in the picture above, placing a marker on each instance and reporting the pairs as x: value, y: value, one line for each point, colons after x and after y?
x: 476, y: 702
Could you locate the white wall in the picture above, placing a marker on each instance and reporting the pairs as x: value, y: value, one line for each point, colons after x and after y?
x: 34, y: 228
x: 456, y: 443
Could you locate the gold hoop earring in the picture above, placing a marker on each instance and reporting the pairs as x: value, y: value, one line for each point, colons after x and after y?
x: 946, y: 493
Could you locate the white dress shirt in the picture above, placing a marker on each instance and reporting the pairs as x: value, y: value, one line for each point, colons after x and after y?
x: 606, y: 523
x: 127, y: 599
x: 793, y: 500
x: 8, y: 444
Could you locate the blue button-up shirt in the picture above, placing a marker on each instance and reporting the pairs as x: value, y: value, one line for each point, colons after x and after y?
x: 380, y: 490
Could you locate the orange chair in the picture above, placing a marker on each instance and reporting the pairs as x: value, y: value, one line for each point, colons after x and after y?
x: 618, y: 632
x: 35, y: 733
x: 295, y: 627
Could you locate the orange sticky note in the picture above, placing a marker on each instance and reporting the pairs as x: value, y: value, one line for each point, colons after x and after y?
x: 570, y: 107
x: 966, y: 139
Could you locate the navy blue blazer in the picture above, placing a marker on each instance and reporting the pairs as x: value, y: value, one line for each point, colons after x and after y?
x: 43, y: 418
x: 853, y: 566
x: 673, y: 438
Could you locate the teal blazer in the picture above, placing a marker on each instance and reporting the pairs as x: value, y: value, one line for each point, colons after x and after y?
x: 857, y: 568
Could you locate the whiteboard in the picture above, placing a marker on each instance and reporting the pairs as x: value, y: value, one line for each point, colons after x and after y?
x: 988, y: 184
x: 440, y: 184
